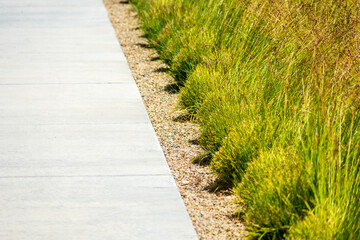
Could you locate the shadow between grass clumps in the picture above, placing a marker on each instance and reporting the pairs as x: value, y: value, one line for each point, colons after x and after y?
x: 124, y: 2
x: 172, y: 88
x: 204, y: 159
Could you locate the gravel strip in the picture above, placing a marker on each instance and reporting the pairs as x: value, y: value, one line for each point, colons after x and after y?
x: 210, y: 212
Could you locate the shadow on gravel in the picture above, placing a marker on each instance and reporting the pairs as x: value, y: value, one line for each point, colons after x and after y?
x: 194, y: 142
x: 218, y: 186
x: 124, y: 2
x: 203, y: 159
x: 162, y: 69
x: 239, y: 215
x: 144, y: 45
x: 155, y: 58
x: 185, y: 117
x: 172, y: 88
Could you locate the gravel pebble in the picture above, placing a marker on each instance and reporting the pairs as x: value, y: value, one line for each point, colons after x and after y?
x: 210, y: 212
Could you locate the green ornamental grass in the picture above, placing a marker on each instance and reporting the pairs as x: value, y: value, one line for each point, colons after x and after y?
x: 274, y: 85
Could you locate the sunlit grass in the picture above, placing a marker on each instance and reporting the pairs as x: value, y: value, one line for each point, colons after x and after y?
x: 274, y: 84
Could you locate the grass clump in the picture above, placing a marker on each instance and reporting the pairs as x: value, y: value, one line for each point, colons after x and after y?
x: 274, y: 85
x: 275, y: 196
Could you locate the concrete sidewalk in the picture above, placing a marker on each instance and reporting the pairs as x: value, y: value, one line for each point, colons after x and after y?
x: 79, y: 157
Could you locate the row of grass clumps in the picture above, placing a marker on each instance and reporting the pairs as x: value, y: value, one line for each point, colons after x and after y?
x: 274, y: 85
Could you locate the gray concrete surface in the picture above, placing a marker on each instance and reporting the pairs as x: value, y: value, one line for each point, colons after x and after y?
x: 79, y: 158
